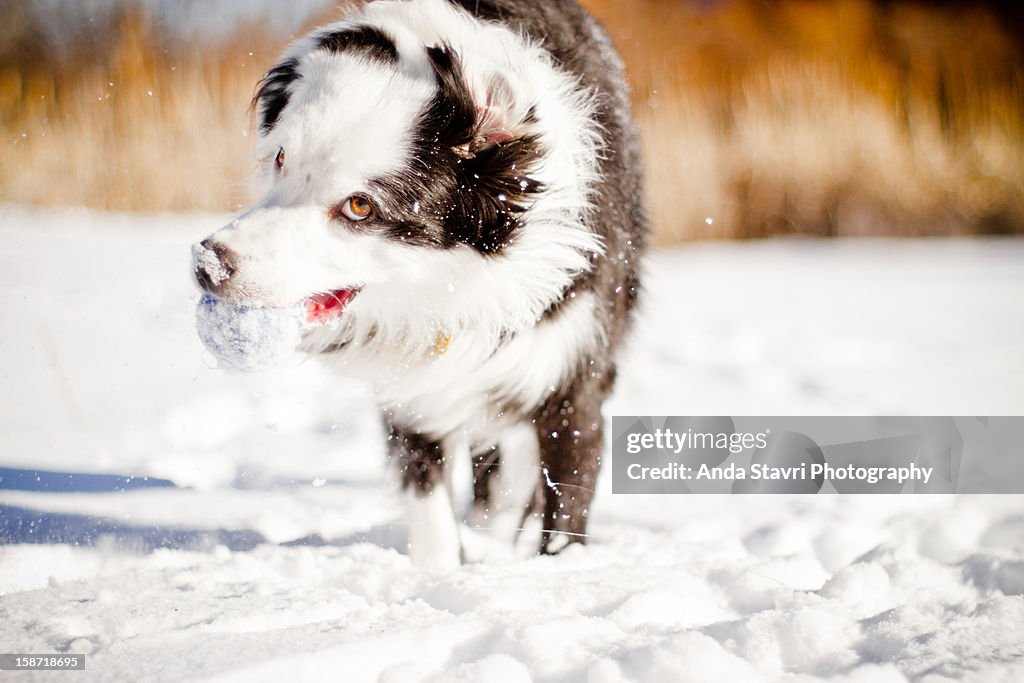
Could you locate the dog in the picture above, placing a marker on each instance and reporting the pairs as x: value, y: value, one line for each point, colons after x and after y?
x: 454, y: 189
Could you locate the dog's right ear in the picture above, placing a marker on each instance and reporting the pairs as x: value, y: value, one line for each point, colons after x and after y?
x: 272, y: 93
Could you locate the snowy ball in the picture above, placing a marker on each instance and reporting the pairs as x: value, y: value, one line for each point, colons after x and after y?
x: 248, y: 338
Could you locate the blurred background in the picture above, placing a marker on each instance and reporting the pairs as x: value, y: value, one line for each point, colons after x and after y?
x: 821, y: 117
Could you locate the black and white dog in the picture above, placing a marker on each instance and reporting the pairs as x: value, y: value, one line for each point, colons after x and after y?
x: 455, y: 187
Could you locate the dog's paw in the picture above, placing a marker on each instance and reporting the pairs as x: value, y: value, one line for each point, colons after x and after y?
x: 434, y: 543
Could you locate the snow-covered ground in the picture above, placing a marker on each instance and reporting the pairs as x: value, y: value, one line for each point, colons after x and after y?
x: 177, y: 523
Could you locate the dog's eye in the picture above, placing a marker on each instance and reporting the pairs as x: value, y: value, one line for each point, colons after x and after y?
x: 357, y: 208
x: 279, y: 159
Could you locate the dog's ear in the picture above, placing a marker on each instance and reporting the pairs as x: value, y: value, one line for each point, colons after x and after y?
x: 480, y: 135
x: 273, y: 93
x: 495, y: 107
x: 477, y: 113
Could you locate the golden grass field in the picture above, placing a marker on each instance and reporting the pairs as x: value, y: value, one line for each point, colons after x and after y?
x: 831, y: 117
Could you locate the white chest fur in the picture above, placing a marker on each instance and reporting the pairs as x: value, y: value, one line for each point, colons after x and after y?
x: 464, y: 386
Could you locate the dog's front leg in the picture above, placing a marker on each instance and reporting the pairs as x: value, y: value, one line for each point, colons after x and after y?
x: 433, y: 530
x: 570, y: 432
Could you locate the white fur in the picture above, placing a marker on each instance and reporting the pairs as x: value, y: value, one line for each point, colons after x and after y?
x: 434, y: 542
x: 512, y: 487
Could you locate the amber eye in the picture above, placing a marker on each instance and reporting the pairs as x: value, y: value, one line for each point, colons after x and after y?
x: 357, y: 208
x: 279, y: 159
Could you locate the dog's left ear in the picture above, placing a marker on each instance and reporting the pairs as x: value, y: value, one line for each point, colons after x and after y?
x: 478, y: 129
x: 495, y: 113
x: 475, y: 114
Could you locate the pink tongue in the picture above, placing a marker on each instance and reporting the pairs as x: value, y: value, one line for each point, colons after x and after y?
x: 323, y: 307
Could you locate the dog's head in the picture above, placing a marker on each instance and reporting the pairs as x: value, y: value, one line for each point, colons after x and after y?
x: 404, y: 157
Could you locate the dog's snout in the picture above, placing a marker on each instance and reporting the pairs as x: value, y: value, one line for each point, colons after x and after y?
x: 214, y: 264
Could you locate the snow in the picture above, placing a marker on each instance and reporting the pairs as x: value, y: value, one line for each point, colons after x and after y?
x: 223, y: 527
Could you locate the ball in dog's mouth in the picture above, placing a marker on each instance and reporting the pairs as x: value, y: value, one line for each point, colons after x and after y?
x: 254, y: 337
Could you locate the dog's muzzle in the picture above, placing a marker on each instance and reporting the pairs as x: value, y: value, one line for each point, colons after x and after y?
x: 213, y: 264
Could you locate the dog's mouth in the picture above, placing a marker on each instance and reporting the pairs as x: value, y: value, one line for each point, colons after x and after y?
x: 322, y: 308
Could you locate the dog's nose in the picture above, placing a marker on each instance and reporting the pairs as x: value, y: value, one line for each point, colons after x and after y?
x: 214, y: 264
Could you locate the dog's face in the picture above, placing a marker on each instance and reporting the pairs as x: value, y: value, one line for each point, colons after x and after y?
x: 392, y: 171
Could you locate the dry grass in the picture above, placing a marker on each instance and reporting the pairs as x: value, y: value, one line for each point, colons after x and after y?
x: 838, y: 117
x: 830, y: 117
x: 144, y: 128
